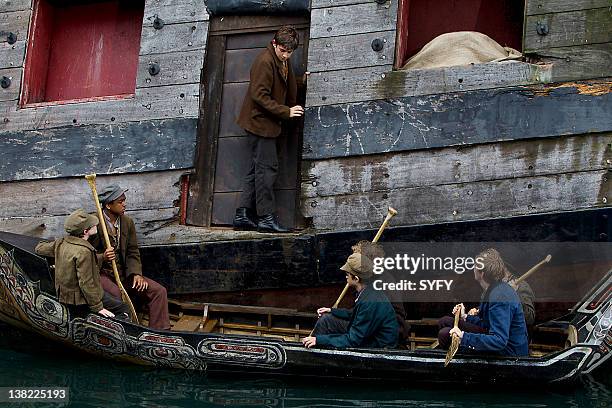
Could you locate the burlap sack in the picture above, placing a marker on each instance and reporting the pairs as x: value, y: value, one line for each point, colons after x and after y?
x: 460, y: 48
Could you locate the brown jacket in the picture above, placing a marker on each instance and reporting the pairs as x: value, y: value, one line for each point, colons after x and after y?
x: 77, y: 275
x: 269, y: 96
x: 129, y: 255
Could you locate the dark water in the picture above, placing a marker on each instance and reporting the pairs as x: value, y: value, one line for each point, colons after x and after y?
x: 95, y: 383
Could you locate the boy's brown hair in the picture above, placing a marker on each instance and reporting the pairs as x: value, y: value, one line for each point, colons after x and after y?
x: 493, y: 265
x: 287, y: 37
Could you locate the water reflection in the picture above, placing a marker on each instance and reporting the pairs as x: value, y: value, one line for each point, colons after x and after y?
x: 106, y: 384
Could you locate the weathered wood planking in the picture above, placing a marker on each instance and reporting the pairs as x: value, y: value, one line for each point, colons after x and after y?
x: 12, y: 56
x: 165, y: 102
x: 289, y: 261
x: 372, y: 83
x: 175, y: 68
x: 104, y: 149
x: 353, y: 19
x: 569, y: 29
x: 175, y: 11
x: 48, y: 227
x: 558, y: 6
x: 15, y: 22
x: 461, y: 202
x: 12, y: 92
x: 580, y: 62
x: 353, y: 51
x: 15, y: 5
x: 494, y: 161
x: 147, y: 191
x: 174, y: 38
x: 465, y: 118
x: 315, y: 4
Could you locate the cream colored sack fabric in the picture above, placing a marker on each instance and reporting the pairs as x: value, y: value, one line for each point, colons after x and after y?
x: 460, y: 48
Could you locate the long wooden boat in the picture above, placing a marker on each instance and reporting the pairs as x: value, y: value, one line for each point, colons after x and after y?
x: 27, y: 301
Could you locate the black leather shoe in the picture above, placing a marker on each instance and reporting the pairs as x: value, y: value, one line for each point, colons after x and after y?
x: 242, y: 221
x: 269, y: 223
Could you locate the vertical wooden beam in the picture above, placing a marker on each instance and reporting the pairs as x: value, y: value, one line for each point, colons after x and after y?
x: 199, y: 207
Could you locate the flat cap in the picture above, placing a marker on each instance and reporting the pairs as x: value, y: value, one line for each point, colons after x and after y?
x: 110, y: 193
x: 358, y: 265
x: 79, y: 221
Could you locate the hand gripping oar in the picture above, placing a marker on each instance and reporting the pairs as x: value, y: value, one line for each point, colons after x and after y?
x: 391, y: 212
x: 91, y: 180
x: 452, y: 350
x: 532, y: 270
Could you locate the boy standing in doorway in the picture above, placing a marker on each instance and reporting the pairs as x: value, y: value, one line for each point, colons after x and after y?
x: 270, y: 100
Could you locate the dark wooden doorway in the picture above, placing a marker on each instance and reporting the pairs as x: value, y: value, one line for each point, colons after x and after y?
x: 222, y: 157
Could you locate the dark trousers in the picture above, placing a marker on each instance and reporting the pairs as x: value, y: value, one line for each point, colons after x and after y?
x: 154, y: 297
x: 110, y: 303
x: 445, y: 325
x: 116, y: 306
x: 330, y: 324
x: 258, y: 190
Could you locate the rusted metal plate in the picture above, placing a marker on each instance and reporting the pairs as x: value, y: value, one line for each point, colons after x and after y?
x: 238, y: 64
x: 231, y: 103
x: 233, y: 161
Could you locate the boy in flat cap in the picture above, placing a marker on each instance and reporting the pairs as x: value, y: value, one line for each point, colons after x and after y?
x: 122, y: 235
x: 77, y: 276
x: 371, y: 323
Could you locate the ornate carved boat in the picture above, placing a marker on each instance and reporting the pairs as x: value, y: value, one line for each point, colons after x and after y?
x: 27, y: 302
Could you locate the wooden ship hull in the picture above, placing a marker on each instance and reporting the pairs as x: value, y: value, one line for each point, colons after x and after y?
x: 24, y: 304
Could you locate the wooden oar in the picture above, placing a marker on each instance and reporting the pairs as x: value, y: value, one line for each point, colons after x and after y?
x: 391, y: 212
x: 452, y: 350
x: 532, y: 270
x: 91, y: 180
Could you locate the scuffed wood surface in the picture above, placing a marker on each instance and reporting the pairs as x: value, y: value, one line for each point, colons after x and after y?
x: 147, y: 191
x: 174, y: 38
x: 569, y: 29
x: 12, y: 56
x: 580, y: 62
x: 461, y: 202
x: 12, y: 92
x: 353, y: 51
x: 353, y: 19
x: 558, y: 6
x: 14, y: 5
x: 166, y: 102
x: 175, y: 11
x: 103, y: 149
x: 15, y: 22
x: 175, y: 68
x: 518, y: 159
x: 466, y: 118
x: 49, y: 227
x: 315, y: 4
x: 372, y: 83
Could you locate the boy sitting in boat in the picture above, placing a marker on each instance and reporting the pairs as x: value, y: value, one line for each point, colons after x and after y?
x: 499, y: 325
x: 77, y: 275
x: 372, y: 251
x: 125, y: 252
x: 371, y: 323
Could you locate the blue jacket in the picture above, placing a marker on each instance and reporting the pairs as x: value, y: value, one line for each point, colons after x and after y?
x: 501, y: 314
x: 372, y: 323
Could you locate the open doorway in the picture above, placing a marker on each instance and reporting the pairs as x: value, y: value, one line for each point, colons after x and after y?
x: 222, y: 157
